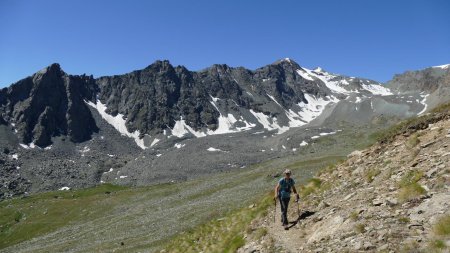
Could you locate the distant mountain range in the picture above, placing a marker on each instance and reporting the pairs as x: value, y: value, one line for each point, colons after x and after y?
x: 61, y: 130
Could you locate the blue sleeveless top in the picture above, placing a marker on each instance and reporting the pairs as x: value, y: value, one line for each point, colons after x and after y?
x: 285, y: 187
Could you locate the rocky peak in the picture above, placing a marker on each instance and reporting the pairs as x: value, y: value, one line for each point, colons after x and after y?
x: 50, y: 103
x: 160, y: 66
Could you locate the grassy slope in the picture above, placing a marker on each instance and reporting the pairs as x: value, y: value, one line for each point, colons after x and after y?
x: 25, y: 218
x: 152, y: 217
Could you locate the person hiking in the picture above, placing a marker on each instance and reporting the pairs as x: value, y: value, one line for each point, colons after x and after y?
x: 283, y: 194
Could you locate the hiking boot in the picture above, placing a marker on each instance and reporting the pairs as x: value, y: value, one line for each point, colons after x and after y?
x: 286, y: 227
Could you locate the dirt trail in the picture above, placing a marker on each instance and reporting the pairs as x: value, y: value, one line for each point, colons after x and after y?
x: 288, y: 239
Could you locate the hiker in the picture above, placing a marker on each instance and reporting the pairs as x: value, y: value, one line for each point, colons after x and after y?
x: 283, y: 193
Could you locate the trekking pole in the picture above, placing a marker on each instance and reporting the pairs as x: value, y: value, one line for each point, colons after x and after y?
x: 275, y: 211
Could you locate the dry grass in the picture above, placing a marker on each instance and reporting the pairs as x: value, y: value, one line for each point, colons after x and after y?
x: 413, y: 141
x: 410, y: 192
x: 312, y: 186
x: 223, y: 235
x: 403, y: 219
x: 360, y: 228
x: 409, y: 186
x: 371, y: 174
x: 354, y: 216
x: 442, y: 227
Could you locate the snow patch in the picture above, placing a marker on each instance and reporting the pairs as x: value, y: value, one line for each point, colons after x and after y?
x: 85, y: 149
x: 181, y: 128
x: 211, y: 149
x: 304, y: 143
x: 325, y: 134
x: 446, y: 66
x: 28, y: 146
x: 65, y: 188
x: 268, y: 123
x: 377, y: 89
x: 179, y: 145
x: 118, y: 122
x: 304, y: 74
x: 154, y: 142
x: 326, y: 78
x: 424, y: 102
x: 109, y: 171
x: 314, y: 107
x: 214, y: 99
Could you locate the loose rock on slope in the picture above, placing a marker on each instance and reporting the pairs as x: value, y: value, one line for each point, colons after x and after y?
x: 386, y: 198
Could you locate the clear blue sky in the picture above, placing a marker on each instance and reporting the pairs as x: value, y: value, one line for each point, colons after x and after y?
x: 370, y: 38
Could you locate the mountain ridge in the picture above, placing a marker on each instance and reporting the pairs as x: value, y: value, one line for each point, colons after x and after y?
x: 140, y: 123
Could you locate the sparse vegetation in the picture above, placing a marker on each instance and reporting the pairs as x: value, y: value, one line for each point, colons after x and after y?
x: 403, y: 219
x: 413, y: 141
x: 224, y: 235
x: 259, y: 233
x: 371, y: 174
x: 360, y: 228
x: 354, y: 216
x: 412, y: 176
x: 410, y: 247
x: 312, y: 186
x: 437, y: 245
x: 410, y: 192
x: 442, y: 227
x: 409, y: 186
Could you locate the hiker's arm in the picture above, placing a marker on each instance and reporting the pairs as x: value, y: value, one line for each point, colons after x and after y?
x: 295, y: 190
x: 296, y: 194
x: 277, y: 188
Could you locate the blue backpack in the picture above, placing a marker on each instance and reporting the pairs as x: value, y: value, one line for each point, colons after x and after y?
x: 285, y: 187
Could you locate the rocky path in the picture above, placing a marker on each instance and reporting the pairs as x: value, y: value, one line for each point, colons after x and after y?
x: 392, y: 197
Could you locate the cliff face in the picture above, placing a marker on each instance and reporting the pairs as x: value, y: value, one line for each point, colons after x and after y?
x: 392, y: 197
x: 427, y: 80
x: 49, y: 103
x: 154, y: 98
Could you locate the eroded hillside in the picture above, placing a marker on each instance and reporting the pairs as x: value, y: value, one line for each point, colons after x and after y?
x: 391, y: 197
